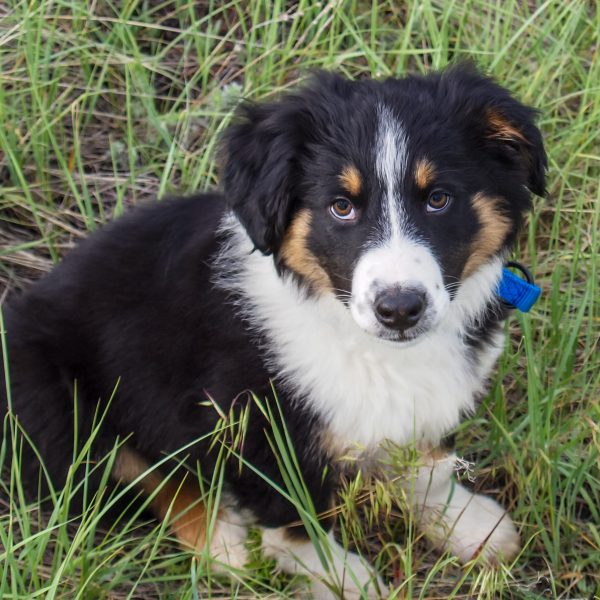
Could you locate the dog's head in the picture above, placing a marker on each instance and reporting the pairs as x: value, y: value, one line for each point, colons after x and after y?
x: 389, y: 195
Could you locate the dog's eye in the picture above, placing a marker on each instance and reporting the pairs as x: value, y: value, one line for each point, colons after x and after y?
x: 438, y: 200
x: 341, y: 208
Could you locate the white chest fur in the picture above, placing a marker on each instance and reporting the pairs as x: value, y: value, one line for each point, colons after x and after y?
x: 367, y: 389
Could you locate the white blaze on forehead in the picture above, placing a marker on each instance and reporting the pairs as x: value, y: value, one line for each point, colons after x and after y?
x: 390, y: 161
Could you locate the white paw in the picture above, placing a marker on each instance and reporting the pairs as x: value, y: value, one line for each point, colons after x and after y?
x: 473, y: 526
x: 347, y: 575
x: 228, y: 546
x: 353, y: 580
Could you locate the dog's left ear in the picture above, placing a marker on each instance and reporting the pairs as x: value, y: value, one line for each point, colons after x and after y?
x: 505, y: 127
x: 258, y: 175
x: 509, y: 127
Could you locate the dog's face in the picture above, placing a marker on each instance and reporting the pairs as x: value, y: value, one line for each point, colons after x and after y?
x: 389, y: 195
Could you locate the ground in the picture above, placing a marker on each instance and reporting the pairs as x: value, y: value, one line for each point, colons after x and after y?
x: 108, y: 104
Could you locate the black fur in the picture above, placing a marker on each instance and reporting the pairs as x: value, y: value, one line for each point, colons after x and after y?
x: 133, y: 312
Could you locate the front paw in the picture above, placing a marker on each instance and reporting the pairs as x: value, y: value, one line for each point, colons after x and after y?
x: 354, y: 580
x: 345, y: 575
x: 473, y: 526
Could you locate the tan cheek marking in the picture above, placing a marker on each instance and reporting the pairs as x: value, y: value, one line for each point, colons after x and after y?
x: 424, y: 172
x: 501, y: 128
x: 351, y: 180
x: 298, y: 257
x: 179, y: 499
x: 494, y: 229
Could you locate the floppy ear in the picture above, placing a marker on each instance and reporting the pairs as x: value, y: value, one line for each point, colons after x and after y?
x: 506, y: 127
x: 511, y: 129
x: 259, y: 153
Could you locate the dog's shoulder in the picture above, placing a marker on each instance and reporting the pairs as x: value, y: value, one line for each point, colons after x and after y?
x: 151, y: 235
x: 138, y: 249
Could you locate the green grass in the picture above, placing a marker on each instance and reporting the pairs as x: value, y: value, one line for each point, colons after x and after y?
x: 104, y: 108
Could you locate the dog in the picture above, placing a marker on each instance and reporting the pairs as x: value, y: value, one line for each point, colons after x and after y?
x: 348, y: 269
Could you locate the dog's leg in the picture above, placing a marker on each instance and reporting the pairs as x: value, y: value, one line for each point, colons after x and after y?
x: 468, y: 525
x: 346, y: 575
x: 179, y: 500
x: 50, y: 418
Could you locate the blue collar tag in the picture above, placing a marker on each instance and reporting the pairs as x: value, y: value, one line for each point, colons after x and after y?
x: 517, y: 292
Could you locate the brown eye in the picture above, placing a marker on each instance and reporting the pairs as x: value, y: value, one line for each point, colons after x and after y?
x: 341, y: 208
x: 438, y: 200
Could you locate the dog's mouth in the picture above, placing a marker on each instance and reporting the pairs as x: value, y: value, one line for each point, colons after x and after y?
x: 402, y: 338
x: 367, y: 319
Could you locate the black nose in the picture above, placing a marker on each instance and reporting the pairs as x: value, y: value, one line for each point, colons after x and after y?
x: 399, y: 309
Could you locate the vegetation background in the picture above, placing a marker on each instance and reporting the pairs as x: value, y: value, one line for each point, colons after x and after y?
x: 105, y: 104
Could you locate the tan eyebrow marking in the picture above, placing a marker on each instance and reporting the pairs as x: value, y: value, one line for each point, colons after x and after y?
x: 424, y: 172
x: 351, y: 180
x: 494, y: 229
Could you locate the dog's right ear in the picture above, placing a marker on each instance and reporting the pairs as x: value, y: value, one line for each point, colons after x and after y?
x: 258, y: 159
x: 262, y: 153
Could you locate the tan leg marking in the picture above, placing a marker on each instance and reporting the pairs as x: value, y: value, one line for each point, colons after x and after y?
x: 494, y: 229
x: 298, y: 257
x: 179, y: 500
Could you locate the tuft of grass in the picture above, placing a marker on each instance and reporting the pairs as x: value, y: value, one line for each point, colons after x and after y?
x: 106, y: 105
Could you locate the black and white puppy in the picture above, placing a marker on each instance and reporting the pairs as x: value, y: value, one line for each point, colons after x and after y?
x: 349, y: 265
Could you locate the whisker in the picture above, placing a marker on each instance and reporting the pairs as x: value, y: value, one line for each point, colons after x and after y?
x: 342, y: 277
x: 342, y: 290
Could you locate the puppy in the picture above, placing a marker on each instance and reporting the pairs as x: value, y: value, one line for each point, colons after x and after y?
x: 348, y: 268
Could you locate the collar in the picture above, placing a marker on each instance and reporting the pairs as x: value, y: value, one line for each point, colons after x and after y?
x: 516, y: 292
